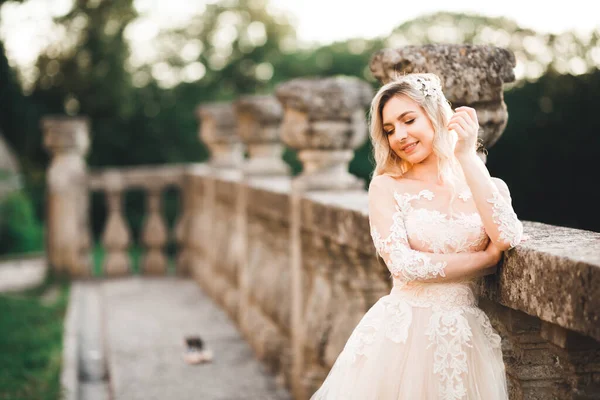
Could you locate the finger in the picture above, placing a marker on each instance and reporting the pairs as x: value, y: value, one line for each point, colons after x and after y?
x: 466, y: 120
x: 463, y: 120
x: 469, y: 110
x: 458, y: 129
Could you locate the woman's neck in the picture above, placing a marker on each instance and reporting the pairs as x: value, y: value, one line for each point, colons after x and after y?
x: 426, y: 171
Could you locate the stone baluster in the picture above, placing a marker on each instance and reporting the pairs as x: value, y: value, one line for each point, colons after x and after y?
x: 116, y: 237
x: 68, y: 233
x: 258, y: 120
x: 154, y: 234
x: 182, y: 227
x: 471, y: 76
x: 217, y: 130
x: 324, y: 119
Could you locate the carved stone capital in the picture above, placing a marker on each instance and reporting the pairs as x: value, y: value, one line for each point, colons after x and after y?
x: 258, y: 120
x: 472, y: 75
x: 66, y: 134
x: 324, y: 119
x: 218, y: 131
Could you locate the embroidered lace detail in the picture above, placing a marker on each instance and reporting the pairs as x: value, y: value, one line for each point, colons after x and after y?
x: 439, y: 296
x: 397, y: 327
x: 444, y: 234
x: 364, y: 334
x: 493, y: 338
x: 449, y: 332
x: 511, y: 229
x: 465, y: 195
x: 403, y: 261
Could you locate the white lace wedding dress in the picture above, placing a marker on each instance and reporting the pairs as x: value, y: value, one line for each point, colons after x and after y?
x: 424, y: 340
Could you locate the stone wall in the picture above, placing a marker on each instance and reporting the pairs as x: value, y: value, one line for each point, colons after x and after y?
x: 291, y: 260
x: 307, y: 270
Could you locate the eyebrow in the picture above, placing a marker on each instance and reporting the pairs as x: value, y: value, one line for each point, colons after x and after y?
x: 399, y: 117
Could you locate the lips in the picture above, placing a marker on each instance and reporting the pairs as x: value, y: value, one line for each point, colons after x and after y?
x: 409, y: 147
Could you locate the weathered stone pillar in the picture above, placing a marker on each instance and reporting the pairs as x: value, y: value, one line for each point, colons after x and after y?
x: 471, y: 76
x: 217, y: 130
x: 68, y: 234
x: 154, y: 234
x: 324, y: 119
x: 258, y: 119
x: 116, y: 237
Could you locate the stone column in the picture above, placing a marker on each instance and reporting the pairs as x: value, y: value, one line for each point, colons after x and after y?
x: 324, y: 119
x: 154, y: 234
x: 218, y: 131
x: 68, y: 234
x: 258, y: 119
x: 116, y: 237
x: 471, y: 76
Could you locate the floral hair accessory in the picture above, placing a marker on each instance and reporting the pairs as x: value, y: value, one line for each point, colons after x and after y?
x: 426, y: 86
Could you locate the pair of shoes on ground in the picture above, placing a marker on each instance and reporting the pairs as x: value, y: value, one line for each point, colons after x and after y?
x: 195, y: 352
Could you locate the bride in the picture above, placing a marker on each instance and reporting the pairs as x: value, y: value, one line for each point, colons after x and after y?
x: 438, y: 221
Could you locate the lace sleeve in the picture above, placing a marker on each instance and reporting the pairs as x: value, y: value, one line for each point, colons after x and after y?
x: 510, y: 229
x: 390, y: 239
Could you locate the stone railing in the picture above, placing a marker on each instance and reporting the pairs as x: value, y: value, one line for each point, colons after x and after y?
x: 69, y: 236
x: 291, y: 258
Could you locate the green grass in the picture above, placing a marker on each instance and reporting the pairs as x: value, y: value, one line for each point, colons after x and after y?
x: 31, y: 343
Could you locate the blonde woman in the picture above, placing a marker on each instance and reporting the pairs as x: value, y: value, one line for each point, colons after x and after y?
x: 438, y: 221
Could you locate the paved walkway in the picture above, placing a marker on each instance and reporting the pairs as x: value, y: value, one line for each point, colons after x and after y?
x: 145, y: 320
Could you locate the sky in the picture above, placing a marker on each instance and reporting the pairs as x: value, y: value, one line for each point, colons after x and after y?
x: 25, y: 28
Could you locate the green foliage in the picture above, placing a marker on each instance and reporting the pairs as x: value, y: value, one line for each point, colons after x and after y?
x: 20, y: 231
x: 31, y: 344
x: 141, y: 115
x: 547, y: 154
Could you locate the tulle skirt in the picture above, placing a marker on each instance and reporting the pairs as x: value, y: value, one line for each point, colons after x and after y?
x: 425, y: 342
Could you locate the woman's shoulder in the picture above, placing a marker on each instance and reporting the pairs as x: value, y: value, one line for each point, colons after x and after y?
x: 387, y: 181
x: 390, y: 185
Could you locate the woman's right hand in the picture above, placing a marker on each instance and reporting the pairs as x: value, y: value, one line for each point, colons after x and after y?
x: 494, y: 254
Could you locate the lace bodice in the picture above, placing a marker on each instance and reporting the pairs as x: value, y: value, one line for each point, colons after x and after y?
x: 411, y: 229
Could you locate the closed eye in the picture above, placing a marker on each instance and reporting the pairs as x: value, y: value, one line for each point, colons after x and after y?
x: 389, y: 132
x: 410, y: 121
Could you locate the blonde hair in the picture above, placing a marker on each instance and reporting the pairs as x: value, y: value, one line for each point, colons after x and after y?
x: 425, y: 90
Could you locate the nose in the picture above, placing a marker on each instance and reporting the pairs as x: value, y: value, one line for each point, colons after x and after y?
x: 400, y: 133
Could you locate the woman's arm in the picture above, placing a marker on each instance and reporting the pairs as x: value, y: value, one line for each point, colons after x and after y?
x: 491, y: 195
x: 391, y: 241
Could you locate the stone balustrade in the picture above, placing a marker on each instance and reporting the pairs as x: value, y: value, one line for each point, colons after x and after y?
x: 117, y: 238
x: 291, y: 259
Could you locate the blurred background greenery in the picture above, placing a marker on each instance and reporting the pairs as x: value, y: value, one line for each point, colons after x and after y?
x: 141, y: 104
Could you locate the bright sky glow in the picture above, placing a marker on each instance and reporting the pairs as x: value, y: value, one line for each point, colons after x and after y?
x: 27, y: 28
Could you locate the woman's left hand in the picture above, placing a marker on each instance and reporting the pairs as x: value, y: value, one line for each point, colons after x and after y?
x: 464, y: 122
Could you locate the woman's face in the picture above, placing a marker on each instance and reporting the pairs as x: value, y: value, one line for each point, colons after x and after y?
x: 408, y: 129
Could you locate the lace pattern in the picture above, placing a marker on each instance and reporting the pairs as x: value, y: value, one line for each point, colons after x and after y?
x: 444, y: 234
x: 449, y: 332
x: 402, y: 261
x: 511, y: 229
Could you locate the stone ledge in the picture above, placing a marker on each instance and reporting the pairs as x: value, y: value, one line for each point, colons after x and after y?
x: 270, y: 198
x: 143, y: 176
x: 554, y: 275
